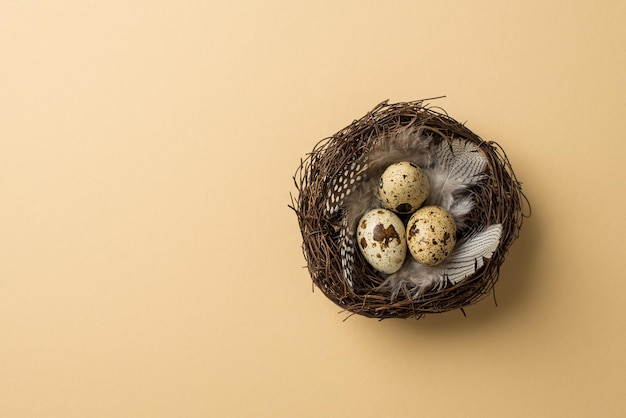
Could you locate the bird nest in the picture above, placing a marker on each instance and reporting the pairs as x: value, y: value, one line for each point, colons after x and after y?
x: 495, y: 196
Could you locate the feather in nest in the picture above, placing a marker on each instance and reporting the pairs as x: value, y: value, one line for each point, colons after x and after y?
x: 451, y: 167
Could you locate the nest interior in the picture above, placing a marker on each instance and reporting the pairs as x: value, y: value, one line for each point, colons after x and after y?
x: 498, y: 199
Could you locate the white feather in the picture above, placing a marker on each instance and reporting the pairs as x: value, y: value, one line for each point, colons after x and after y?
x: 459, y: 208
x: 469, y: 256
x: 457, y: 165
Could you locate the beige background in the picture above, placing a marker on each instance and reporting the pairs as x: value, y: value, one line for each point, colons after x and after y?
x: 150, y: 267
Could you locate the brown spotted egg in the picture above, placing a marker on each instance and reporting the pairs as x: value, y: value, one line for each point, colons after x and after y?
x: 381, y: 237
x: 403, y: 187
x: 431, y: 235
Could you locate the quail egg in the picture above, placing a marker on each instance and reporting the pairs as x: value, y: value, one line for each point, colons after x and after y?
x: 431, y: 235
x: 403, y: 187
x: 381, y: 237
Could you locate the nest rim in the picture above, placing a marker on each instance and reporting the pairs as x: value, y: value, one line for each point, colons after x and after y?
x: 498, y: 200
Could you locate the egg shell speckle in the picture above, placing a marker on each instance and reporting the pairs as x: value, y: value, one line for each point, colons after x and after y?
x: 381, y: 237
x: 403, y: 187
x: 431, y: 235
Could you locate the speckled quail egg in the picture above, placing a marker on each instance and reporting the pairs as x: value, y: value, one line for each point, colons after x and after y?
x: 403, y: 187
x: 381, y: 237
x: 431, y: 235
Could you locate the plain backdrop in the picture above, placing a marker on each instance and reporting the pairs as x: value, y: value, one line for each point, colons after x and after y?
x: 150, y: 266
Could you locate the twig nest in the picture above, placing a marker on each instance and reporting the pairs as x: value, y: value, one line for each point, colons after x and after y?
x: 431, y: 207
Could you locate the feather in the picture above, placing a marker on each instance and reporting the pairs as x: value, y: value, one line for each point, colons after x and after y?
x: 459, y: 209
x: 347, y: 181
x: 356, y: 203
x: 413, y: 278
x: 405, y: 145
x: 457, y: 165
x: 347, y: 248
x: 469, y: 256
